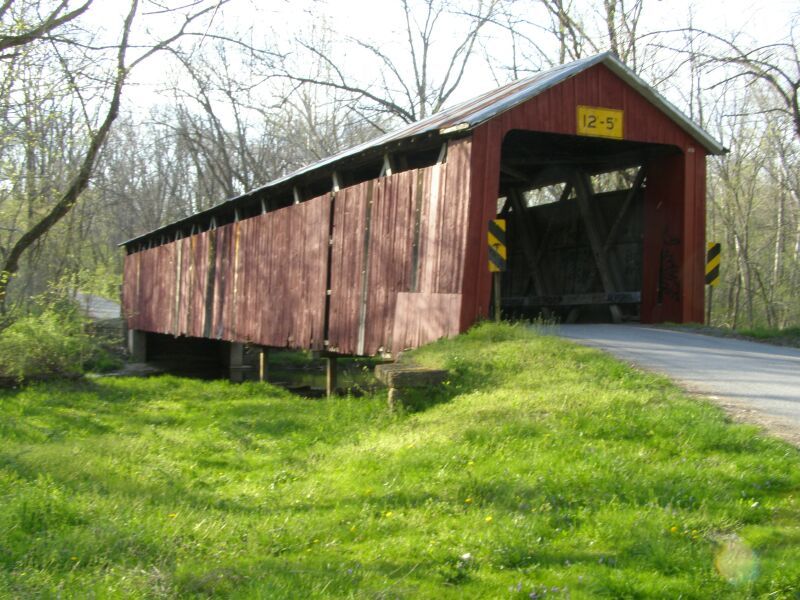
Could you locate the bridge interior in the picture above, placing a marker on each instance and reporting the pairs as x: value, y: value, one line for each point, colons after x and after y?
x: 574, y: 208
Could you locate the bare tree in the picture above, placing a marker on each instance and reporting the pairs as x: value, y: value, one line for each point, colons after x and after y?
x: 14, y: 12
x: 97, y: 130
x: 419, y: 79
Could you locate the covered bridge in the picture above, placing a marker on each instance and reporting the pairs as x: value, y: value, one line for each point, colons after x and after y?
x: 384, y: 246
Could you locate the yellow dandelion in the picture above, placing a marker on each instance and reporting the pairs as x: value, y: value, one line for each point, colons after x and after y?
x: 470, y: 463
x: 673, y: 529
x: 489, y: 519
x: 388, y: 513
x: 468, y: 501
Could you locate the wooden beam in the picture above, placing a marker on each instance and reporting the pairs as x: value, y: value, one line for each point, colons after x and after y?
x: 527, y: 238
x: 442, y: 154
x: 595, y: 230
x: 362, y: 312
x: 515, y: 173
x: 614, y: 231
x: 574, y: 299
x: 386, y: 168
x: 331, y: 376
x: 567, y: 191
x: 263, y: 364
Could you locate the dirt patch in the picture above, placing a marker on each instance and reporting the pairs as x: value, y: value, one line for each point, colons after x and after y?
x: 741, y: 412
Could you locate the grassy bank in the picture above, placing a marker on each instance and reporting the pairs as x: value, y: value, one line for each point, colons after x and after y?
x: 541, y: 470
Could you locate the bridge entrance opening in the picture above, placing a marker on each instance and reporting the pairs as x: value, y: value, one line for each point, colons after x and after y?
x: 575, y: 213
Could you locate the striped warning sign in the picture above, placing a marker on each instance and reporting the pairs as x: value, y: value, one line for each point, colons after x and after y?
x: 712, y: 263
x: 497, y: 245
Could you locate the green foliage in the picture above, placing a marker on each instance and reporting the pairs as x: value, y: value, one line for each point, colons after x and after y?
x: 101, y: 360
x: 789, y: 336
x: 103, y: 280
x: 50, y: 342
x: 545, y: 471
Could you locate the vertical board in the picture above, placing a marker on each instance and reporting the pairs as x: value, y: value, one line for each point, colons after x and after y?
x: 348, y: 267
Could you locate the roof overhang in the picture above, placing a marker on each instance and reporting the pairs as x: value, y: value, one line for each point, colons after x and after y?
x: 460, y: 119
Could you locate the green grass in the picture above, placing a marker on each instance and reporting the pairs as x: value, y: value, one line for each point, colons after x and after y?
x: 790, y: 335
x: 540, y: 465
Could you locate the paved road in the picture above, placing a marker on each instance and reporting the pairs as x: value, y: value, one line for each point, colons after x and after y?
x: 762, y: 376
x: 98, y: 308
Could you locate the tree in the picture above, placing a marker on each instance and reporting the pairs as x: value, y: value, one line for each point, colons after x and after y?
x: 420, y: 78
x: 73, y: 47
x: 14, y: 12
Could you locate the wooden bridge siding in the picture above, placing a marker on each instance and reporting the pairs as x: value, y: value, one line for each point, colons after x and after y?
x: 554, y: 111
x: 440, y: 193
x: 347, y: 266
x: 268, y: 285
x: 263, y: 279
x: 390, y: 254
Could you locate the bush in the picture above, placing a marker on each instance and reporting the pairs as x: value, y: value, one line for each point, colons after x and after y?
x: 50, y: 343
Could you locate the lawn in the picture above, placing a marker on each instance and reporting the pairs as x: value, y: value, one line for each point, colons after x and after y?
x: 541, y: 470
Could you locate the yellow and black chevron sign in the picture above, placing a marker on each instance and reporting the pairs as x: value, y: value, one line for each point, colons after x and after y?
x: 497, y: 245
x: 712, y: 263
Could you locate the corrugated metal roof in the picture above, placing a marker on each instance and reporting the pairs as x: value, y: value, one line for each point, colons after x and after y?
x: 468, y: 115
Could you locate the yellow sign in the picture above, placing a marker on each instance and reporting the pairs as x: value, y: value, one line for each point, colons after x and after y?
x: 497, y: 245
x: 600, y: 122
x: 713, y: 258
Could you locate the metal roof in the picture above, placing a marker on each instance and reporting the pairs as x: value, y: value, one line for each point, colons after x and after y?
x: 468, y: 115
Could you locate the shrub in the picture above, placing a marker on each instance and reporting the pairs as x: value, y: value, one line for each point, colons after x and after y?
x: 49, y: 343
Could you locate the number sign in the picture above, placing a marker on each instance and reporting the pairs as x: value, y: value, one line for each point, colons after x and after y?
x: 600, y: 122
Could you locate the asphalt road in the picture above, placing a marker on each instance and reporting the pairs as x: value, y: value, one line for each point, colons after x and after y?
x: 761, y: 376
x: 98, y: 308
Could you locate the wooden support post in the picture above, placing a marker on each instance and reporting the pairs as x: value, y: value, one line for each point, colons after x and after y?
x: 386, y: 168
x: 236, y: 362
x: 331, y: 376
x: 709, y: 304
x: 497, y: 296
x: 137, y: 345
x: 263, y: 364
x: 442, y: 154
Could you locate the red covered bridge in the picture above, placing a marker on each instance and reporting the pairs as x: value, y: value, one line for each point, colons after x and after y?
x: 383, y: 247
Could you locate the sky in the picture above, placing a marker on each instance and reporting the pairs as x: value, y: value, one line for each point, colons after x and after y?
x: 380, y: 21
